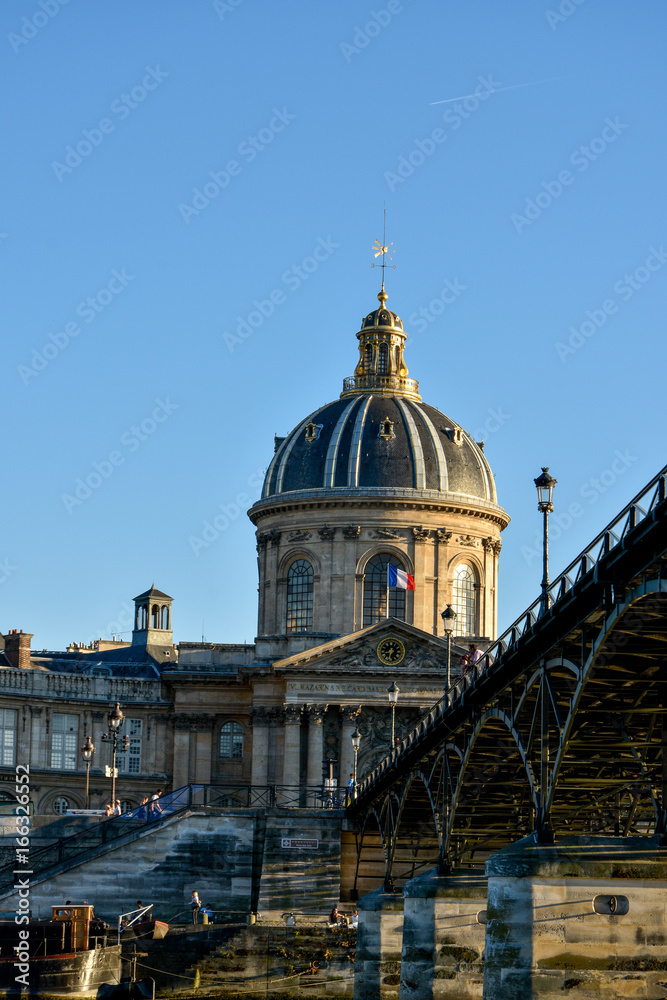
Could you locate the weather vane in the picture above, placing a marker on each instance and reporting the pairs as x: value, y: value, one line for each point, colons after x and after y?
x: 382, y: 249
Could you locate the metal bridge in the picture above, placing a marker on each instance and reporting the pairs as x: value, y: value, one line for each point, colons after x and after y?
x: 559, y: 728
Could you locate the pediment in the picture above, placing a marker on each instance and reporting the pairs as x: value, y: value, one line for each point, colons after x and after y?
x: 358, y: 652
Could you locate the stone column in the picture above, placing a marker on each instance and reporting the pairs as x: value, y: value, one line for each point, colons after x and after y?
x: 315, y: 749
x: 274, y: 620
x: 441, y: 541
x: 378, y: 958
x: 350, y: 714
x: 422, y: 616
x: 37, y: 756
x: 259, y: 722
x: 261, y: 566
x: 181, y: 774
x: 291, y: 755
x: 23, y: 735
x: 203, y: 729
x: 443, y: 936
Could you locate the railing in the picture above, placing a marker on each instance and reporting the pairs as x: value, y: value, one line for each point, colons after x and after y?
x: 640, y: 508
x: 55, y: 685
x: 155, y: 812
x: 356, y: 382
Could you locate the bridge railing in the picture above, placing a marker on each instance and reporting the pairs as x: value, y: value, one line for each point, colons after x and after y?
x: 641, y: 507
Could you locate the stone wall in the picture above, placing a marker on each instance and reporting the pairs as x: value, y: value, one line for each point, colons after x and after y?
x: 587, y: 914
x: 304, y: 878
x: 235, y: 858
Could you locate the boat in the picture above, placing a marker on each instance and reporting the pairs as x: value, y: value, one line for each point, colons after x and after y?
x: 153, y: 930
x: 72, y: 953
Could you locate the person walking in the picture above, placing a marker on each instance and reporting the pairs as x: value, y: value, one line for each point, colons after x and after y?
x: 155, y: 804
x: 350, y: 789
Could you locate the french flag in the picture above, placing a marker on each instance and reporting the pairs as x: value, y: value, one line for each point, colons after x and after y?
x: 399, y: 578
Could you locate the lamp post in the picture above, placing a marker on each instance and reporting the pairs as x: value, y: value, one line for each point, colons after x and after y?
x: 115, y: 720
x: 545, y: 491
x: 356, y: 740
x: 393, y: 692
x: 88, y: 752
x: 448, y: 617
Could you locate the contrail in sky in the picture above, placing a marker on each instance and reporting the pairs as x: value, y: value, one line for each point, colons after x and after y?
x: 515, y: 86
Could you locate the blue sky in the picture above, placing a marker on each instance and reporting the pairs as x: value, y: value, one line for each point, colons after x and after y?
x: 169, y: 165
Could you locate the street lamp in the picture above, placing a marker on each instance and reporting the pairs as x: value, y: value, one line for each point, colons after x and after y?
x: 393, y: 692
x: 88, y: 752
x: 356, y: 740
x: 448, y: 616
x: 115, y: 720
x: 545, y: 491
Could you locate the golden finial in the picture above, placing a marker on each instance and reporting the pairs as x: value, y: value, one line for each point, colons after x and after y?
x: 383, y: 250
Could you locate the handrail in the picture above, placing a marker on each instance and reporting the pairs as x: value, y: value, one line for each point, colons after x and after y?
x: 615, y: 533
x: 150, y: 814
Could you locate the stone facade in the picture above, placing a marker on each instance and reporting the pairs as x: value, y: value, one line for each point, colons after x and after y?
x: 429, y: 535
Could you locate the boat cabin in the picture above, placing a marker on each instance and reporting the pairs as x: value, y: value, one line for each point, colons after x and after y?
x: 80, y: 918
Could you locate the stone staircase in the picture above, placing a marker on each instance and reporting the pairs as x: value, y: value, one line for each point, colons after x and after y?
x: 210, y: 850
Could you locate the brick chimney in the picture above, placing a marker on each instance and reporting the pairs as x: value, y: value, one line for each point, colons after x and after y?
x: 17, y: 648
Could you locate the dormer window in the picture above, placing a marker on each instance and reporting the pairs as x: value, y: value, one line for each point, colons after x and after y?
x: 313, y: 431
x: 386, y: 429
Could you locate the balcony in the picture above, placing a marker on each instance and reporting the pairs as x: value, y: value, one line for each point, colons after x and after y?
x: 384, y: 384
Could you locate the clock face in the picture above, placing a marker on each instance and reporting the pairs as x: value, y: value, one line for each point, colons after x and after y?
x: 391, y: 651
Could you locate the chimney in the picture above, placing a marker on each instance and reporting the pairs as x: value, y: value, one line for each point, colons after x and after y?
x: 17, y: 648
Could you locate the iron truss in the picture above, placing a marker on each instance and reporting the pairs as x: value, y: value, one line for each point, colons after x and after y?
x: 561, y: 726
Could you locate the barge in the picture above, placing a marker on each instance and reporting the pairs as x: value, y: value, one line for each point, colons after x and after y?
x: 72, y: 953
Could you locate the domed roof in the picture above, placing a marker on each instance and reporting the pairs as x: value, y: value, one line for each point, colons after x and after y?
x: 379, y: 436
x: 381, y: 317
x: 369, y: 441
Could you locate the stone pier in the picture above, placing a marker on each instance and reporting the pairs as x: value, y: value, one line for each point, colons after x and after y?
x: 443, y: 936
x: 586, y: 915
x: 379, y: 939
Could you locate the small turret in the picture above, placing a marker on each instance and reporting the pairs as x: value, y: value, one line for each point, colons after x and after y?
x: 381, y: 368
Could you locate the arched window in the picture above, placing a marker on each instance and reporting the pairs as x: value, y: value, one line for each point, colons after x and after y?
x: 155, y: 617
x: 60, y: 805
x: 368, y: 359
x: 126, y: 806
x: 464, y: 600
x: 165, y: 617
x: 383, y: 359
x: 300, y: 596
x: 231, y: 740
x: 375, y: 590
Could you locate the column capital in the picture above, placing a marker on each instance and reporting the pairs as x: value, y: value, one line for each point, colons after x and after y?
x: 293, y: 715
x: 199, y: 723
x: 316, y: 714
x: 259, y: 716
x: 350, y: 713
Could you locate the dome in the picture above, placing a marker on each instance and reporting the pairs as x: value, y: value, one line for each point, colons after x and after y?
x: 379, y: 436
x: 380, y: 442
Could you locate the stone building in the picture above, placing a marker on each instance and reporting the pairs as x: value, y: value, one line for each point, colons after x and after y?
x: 374, y: 479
